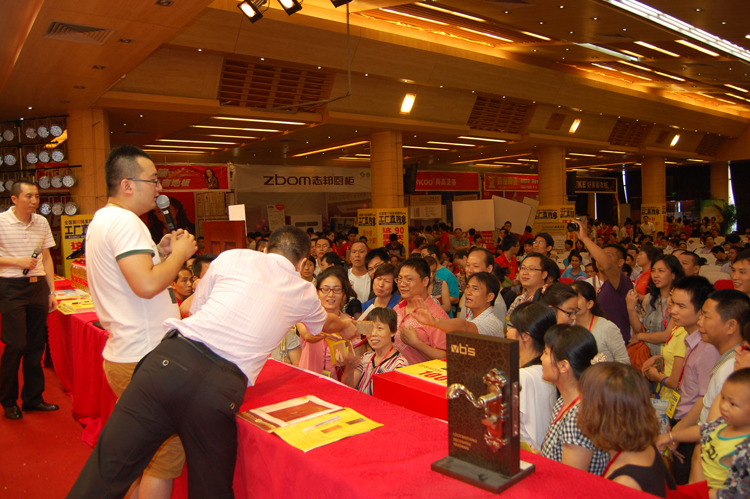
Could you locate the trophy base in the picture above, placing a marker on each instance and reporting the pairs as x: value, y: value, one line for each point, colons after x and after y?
x: 480, y: 477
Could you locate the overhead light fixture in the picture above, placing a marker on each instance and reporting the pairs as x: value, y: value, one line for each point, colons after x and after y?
x: 339, y: 3
x: 529, y: 33
x: 350, y: 158
x: 426, y: 148
x: 251, y: 11
x: 414, y: 17
x: 290, y: 6
x: 635, y: 75
x: 408, y: 103
x: 621, y: 54
x: 452, y: 12
x: 213, y: 127
x: 697, y: 47
x: 528, y: 159
x: 180, y: 147
x: 679, y: 26
x: 197, y: 142
x: 582, y: 154
x: 450, y: 143
x: 485, y: 139
x: 253, y: 120
x: 634, y: 54
x: 642, y: 68
x: 170, y: 151
x: 696, y: 160
x: 675, y: 140
x: 486, y: 34
x: 232, y: 137
x: 669, y: 76
x: 736, y: 88
x: 574, y: 126
x: 602, y: 66
x: 612, y: 152
x: 326, y: 149
x: 654, y: 47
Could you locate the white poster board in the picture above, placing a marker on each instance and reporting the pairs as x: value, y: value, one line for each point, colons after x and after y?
x: 534, y: 203
x: 304, y: 222
x: 507, y: 210
x: 478, y: 215
x: 276, y: 216
x: 237, y: 212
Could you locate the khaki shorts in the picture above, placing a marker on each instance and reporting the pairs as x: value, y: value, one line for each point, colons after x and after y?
x: 170, y: 458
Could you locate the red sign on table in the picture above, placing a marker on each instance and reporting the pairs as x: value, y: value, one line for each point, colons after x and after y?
x: 447, y: 181
x: 193, y: 178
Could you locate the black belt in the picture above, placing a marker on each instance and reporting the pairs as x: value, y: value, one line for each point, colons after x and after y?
x: 208, y: 353
x: 36, y: 278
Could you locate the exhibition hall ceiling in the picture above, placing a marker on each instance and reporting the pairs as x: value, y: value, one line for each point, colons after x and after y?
x: 494, y: 81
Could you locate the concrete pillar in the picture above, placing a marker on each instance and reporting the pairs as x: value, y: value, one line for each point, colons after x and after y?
x: 88, y: 145
x: 591, y: 210
x: 387, y: 170
x: 720, y: 181
x: 653, y: 180
x: 552, y: 176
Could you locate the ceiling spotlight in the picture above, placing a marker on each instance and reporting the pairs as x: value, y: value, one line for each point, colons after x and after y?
x: 250, y: 10
x: 290, y: 6
x: 339, y: 3
x: 408, y: 103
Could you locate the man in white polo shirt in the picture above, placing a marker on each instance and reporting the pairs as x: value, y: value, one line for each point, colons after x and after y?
x: 129, y: 278
x: 27, y: 294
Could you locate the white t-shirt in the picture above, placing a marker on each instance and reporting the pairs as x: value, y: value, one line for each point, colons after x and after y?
x: 135, y: 325
x: 719, y: 374
x: 361, y: 285
x: 538, y: 397
x: 487, y: 323
x: 609, y: 340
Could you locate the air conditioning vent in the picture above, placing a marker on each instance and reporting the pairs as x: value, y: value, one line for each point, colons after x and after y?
x: 617, y: 37
x: 500, y: 115
x: 135, y: 132
x: 78, y: 33
x: 629, y: 133
x: 709, y: 145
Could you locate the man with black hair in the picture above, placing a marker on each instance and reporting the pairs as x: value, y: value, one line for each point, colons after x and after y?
x: 442, y: 240
x: 346, y: 248
x: 613, y: 293
x: 732, y: 241
x: 459, y: 242
x: 194, y: 381
x: 374, y: 259
x: 543, y: 243
x: 690, y: 262
x: 27, y: 295
x: 741, y: 272
x: 329, y: 260
x: 481, y: 260
x: 395, y: 248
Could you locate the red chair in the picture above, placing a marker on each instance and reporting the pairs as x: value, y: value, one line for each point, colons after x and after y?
x: 721, y: 284
x: 568, y: 280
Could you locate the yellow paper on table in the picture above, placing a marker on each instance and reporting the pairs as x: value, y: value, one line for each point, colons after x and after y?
x: 326, y: 429
x: 69, y: 307
x: 434, y: 371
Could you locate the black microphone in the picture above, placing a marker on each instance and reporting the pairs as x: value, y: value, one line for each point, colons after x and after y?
x: 163, y: 203
x: 33, y: 255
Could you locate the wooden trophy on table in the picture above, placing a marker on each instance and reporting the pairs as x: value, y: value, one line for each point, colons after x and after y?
x: 483, y: 414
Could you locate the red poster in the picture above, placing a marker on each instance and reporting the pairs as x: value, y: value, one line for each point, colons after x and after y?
x: 447, y: 181
x: 511, y: 182
x: 193, y: 178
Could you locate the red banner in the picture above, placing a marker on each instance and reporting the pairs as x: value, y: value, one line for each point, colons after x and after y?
x: 447, y: 181
x: 193, y: 178
x: 511, y: 182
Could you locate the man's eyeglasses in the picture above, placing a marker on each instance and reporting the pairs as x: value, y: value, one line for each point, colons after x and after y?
x: 374, y: 266
x: 336, y: 291
x: 570, y: 314
x: 155, y: 182
x: 528, y: 269
x: 405, y: 280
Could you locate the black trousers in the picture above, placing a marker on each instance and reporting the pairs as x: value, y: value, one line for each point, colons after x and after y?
x: 24, y: 307
x: 175, y: 389
x: 681, y: 471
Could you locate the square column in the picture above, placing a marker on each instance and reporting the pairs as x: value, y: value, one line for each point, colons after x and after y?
x: 88, y: 145
x: 653, y: 180
x: 720, y: 181
x: 552, y: 176
x: 387, y: 170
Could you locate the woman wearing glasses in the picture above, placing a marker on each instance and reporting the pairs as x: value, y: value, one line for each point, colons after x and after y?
x: 334, y: 291
x: 528, y: 323
x: 563, y: 300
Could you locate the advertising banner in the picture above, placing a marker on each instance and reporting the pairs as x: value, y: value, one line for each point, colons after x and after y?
x: 511, y: 182
x: 447, y: 181
x: 596, y: 184
x: 553, y: 219
x: 367, y: 221
x: 378, y: 225
x: 657, y: 213
x: 276, y: 216
x: 254, y: 178
x: 192, y: 178
x: 73, y: 234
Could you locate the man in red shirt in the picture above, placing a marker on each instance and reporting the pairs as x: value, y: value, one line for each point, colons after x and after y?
x: 346, y: 248
x: 443, y: 242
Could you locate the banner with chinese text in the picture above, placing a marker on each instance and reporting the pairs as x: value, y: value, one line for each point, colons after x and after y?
x: 656, y: 213
x: 192, y: 178
x: 73, y: 234
x: 553, y: 219
x: 392, y: 221
x: 447, y: 181
x: 511, y: 182
x: 367, y: 221
x: 255, y: 178
x: 596, y: 184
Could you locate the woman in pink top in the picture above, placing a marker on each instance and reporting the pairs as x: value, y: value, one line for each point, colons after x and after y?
x: 334, y: 291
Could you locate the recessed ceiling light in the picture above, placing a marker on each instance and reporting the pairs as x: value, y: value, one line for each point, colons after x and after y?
x: 486, y: 34
x: 180, y: 147
x: 484, y: 139
x: 197, y: 142
x: 235, y: 128
x: 254, y: 120
x: 200, y: 50
x: 232, y: 136
x: 594, y: 18
x: 426, y: 148
x: 450, y: 143
x: 408, y: 103
x: 140, y: 116
x: 612, y: 152
x: 30, y: 108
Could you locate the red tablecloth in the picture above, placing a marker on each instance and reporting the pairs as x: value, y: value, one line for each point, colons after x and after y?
x: 391, y: 461
x: 76, y: 346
